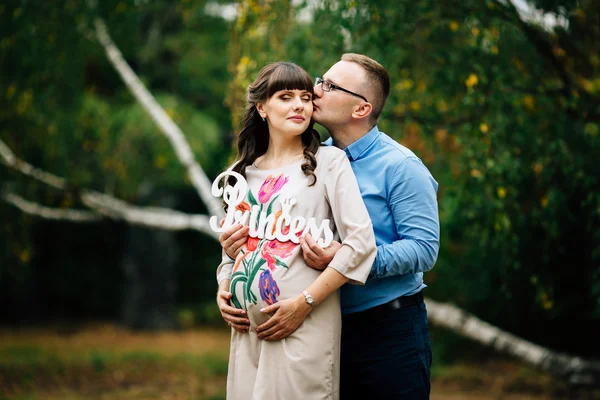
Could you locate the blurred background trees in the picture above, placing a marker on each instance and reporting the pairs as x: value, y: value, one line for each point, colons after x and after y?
x: 500, y: 99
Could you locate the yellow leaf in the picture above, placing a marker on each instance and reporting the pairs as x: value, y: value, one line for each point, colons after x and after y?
x: 415, y: 105
x: 12, y: 89
x: 483, y: 128
x: 454, y: 25
x: 544, y: 201
x: 471, y: 81
x: 170, y: 112
x: 160, y: 161
x: 441, y: 135
x: 529, y: 102
x: 441, y: 106
x: 501, y: 192
x: 405, y: 84
x: 475, y: 31
x: 399, y: 109
x: 591, y: 129
x: 25, y: 256
x: 24, y: 102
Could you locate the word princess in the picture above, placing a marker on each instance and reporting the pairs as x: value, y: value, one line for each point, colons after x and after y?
x: 265, y: 225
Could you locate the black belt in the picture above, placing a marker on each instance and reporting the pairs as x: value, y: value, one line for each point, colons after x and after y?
x: 400, y: 302
x: 403, y: 301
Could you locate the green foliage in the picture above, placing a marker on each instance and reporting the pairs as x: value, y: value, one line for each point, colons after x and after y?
x: 504, y: 112
x: 506, y: 115
x: 65, y: 110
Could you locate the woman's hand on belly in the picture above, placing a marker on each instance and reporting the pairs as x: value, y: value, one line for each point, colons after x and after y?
x: 234, y: 317
x: 289, y: 315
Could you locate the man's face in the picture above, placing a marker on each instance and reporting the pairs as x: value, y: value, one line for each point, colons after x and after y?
x: 335, y: 108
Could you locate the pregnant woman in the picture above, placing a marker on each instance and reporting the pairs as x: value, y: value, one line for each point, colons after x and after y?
x: 290, y: 185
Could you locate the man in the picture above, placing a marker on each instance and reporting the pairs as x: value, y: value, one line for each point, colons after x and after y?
x: 386, y: 351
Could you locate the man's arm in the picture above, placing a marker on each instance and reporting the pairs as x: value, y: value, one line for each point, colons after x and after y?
x: 413, y: 203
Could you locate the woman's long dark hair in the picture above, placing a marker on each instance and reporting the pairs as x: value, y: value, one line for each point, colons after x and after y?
x: 254, y: 137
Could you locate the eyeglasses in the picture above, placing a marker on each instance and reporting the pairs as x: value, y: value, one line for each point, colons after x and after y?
x: 327, y: 86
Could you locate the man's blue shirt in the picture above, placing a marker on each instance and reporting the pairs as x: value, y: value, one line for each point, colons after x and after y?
x: 400, y: 195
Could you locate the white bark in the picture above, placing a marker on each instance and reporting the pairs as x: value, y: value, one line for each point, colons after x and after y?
x: 575, y: 369
x: 9, y: 158
x: 106, y: 205
x: 183, y: 150
x: 150, y: 217
x: 56, y: 214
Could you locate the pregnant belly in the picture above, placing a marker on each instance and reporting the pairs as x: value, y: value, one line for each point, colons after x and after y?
x: 254, y: 292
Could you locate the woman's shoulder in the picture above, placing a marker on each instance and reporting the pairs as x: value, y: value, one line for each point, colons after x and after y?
x: 327, y: 154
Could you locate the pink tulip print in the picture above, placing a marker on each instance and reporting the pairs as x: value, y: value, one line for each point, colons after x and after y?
x: 270, y: 186
x: 274, y: 248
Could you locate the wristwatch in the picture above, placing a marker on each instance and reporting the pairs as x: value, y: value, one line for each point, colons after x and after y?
x: 309, y: 299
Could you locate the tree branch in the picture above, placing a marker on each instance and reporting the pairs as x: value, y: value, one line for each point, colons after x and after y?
x: 109, y: 206
x: 161, y: 118
x: 150, y: 217
x: 9, y: 158
x: 575, y: 369
x: 56, y: 214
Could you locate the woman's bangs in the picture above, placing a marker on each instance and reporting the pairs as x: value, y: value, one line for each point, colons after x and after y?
x: 289, y: 77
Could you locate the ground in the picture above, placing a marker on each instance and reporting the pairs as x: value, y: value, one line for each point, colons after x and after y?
x: 101, y: 362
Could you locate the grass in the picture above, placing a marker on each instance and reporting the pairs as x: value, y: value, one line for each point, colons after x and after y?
x: 103, y: 362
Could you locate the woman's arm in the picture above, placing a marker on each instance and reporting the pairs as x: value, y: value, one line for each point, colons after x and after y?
x: 352, y: 262
x: 290, y: 313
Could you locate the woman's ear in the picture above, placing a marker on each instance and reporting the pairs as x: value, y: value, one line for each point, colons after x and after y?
x: 260, y: 107
x: 363, y: 111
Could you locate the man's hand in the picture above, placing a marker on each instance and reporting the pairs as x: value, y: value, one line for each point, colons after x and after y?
x: 234, y: 317
x: 233, y: 238
x: 289, y: 315
x: 315, y: 256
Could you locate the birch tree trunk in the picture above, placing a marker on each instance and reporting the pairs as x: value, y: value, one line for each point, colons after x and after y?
x: 166, y: 125
x: 575, y: 370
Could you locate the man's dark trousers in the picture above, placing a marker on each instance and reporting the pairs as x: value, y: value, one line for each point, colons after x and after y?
x: 386, y: 353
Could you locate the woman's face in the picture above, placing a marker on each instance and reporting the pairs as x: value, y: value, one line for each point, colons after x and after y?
x: 288, y: 112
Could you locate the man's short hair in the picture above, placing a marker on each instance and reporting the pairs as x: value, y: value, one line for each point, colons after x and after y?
x: 378, y: 81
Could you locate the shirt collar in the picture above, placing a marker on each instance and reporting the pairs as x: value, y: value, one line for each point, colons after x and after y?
x: 357, y: 149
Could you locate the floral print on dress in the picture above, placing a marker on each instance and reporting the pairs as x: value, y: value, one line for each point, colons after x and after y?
x: 243, y: 207
x: 269, y: 291
x: 270, y: 186
x: 261, y: 256
x: 274, y: 248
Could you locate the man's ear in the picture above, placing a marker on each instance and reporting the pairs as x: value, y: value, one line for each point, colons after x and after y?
x: 363, y: 111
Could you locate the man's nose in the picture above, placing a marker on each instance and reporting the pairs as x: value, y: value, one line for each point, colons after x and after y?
x: 318, y: 90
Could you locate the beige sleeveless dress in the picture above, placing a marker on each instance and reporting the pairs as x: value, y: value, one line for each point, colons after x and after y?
x: 304, y: 365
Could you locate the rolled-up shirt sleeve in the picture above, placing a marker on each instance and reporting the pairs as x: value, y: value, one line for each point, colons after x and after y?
x: 355, y: 258
x: 413, y: 203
